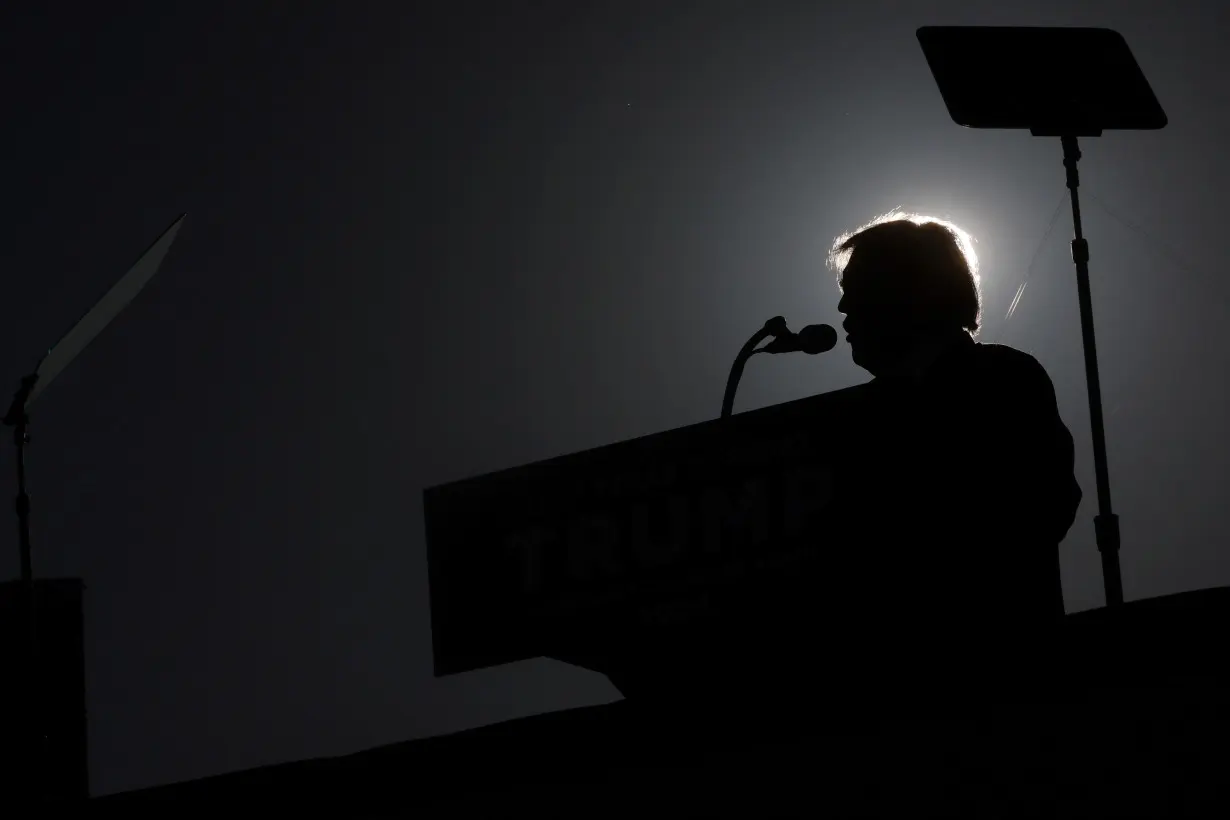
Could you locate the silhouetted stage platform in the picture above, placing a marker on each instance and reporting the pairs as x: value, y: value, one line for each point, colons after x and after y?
x: 1124, y: 713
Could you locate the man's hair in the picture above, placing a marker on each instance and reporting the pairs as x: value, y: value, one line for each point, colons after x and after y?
x: 925, y: 252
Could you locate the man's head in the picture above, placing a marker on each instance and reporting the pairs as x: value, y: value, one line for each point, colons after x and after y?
x: 904, y: 279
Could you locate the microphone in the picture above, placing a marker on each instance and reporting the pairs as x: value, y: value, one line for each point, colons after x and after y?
x: 811, y: 339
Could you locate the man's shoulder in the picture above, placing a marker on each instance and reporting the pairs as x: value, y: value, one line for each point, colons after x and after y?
x: 1002, y: 356
x: 1011, y: 366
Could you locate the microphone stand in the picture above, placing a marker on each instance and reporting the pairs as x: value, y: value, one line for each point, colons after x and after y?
x: 774, y: 327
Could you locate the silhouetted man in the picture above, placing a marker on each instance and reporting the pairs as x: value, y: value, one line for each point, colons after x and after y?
x: 941, y: 539
x: 964, y: 485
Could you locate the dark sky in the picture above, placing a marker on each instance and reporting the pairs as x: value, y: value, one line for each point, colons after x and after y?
x: 425, y: 245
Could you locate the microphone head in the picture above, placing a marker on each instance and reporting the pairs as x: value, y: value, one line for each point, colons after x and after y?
x: 817, y: 339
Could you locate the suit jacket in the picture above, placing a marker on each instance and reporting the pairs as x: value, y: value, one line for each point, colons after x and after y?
x: 940, y: 539
x: 961, y: 489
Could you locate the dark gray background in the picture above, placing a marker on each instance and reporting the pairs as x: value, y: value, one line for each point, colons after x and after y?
x: 424, y: 245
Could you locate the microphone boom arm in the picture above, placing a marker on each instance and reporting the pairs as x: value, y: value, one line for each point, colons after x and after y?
x: 774, y: 327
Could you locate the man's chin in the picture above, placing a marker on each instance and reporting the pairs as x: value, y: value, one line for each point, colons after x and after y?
x: 864, y: 359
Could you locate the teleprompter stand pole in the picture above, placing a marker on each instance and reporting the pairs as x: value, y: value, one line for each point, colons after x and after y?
x: 30, y: 708
x: 1064, y: 82
x: 1105, y: 523
x: 41, y: 784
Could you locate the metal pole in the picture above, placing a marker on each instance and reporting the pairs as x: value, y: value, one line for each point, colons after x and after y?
x: 1105, y: 523
x: 31, y: 707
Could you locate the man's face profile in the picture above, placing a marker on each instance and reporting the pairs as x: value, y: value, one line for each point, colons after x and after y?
x: 882, y: 317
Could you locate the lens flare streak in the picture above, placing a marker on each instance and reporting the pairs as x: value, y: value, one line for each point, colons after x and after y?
x: 1015, y: 301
